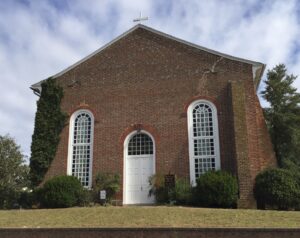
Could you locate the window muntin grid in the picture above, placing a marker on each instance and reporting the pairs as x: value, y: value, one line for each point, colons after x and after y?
x: 140, y: 144
x: 204, y: 147
x: 82, y: 129
x: 81, y: 163
x: 202, y: 165
x: 202, y: 120
x: 203, y: 139
x: 81, y: 148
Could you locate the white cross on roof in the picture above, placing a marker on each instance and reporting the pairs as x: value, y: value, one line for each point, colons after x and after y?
x: 139, y: 19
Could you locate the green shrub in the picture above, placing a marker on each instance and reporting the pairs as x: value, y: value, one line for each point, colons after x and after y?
x: 26, y: 199
x: 157, y: 183
x: 277, y: 188
x: 181, y: 194
x: 37, y: 197
x: 61, y: 191
x: 86, y: 198
x: 8, y: 198
x: 108, y: 182
x: 216, y: 189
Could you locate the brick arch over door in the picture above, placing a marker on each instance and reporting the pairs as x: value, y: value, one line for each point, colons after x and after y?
x: 138, y: 127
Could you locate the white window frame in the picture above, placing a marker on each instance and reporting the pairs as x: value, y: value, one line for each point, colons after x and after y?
x: 191, y: 137
x: 125, y: 156
x: 70, y: 147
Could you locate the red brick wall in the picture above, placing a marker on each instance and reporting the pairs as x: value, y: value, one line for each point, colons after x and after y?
x: 267, y: 155
x: 241, y: 145
x: 148, y: 80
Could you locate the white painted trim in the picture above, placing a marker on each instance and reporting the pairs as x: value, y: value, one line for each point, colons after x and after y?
x: 70, y: 146
x: 256, y: 65
x: 125, y: 156
x: 190, y: 137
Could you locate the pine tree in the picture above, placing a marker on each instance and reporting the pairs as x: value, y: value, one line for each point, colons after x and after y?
x: 49, y: 122
x: 283, y: 115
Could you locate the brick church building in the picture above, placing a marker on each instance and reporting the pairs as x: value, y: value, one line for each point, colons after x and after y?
x: 149, y: 103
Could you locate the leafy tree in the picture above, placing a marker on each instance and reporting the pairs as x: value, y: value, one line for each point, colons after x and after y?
x: 13, y: 172
x: 49, y: 122
x: 283, y: 115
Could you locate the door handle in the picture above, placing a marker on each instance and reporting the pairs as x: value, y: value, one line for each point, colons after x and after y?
x: 141, y: 188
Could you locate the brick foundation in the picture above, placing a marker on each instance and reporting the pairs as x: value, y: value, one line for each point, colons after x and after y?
x: 149, y: 232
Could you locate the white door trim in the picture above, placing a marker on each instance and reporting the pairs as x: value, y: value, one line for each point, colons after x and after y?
x: 125, y: 155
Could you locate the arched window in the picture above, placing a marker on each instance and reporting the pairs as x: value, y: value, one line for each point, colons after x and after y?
x: 140, y: 144
x: 80, y: 146
x: 203, y: 138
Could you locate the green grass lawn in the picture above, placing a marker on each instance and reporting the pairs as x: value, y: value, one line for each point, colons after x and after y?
x: 152, y: 216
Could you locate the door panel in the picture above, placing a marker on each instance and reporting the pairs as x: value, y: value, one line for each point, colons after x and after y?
x: 138, y: 171
x: 146, y: 172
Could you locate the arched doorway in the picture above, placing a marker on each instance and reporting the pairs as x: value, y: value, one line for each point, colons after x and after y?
x: 139, y: 165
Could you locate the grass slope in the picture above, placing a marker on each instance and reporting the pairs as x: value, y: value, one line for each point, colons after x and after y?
x: 160, y: 216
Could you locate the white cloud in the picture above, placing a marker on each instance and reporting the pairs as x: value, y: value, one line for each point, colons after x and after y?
x: 38, y: 39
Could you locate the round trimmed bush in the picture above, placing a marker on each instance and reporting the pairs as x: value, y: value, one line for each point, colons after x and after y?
x: 61, y: 191
x: 216, y: 189
x: 277, y: 188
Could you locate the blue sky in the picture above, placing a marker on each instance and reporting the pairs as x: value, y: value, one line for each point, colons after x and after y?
x: 39, y: 38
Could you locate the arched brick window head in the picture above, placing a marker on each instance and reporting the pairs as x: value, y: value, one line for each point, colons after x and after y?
x: 203, y: 138
x: 81, y: 146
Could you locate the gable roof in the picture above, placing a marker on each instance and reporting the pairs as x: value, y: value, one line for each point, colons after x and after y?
x: 257, y: 67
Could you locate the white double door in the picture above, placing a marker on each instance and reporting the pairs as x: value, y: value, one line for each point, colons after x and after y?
x: 138, y: 170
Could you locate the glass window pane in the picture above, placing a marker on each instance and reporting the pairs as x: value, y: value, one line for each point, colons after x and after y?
x: 140, y: 144
x: 82, y: 148
x: 203, y: 138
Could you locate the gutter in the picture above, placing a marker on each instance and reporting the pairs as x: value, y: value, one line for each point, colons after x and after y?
x: 36, y: 90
